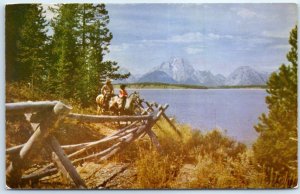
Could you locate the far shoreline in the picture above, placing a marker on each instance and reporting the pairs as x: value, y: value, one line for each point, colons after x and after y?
x: 194, y: 89
x: 159, y: 86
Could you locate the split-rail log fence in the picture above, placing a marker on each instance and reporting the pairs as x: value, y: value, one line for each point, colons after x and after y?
x: 46, y: 116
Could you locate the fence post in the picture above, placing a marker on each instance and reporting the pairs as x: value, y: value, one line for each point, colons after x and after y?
x: 167, y: 119
x: 66, y: 163
x: 20, y: 161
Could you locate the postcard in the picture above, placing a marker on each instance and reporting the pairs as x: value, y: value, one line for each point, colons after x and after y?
x: 151, y: 96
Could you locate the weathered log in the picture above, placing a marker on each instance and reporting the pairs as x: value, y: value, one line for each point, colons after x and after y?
x: 145, y: 110
x: 49, y: 172
x: 119, y: 146
x: 157, y: 114
x: 94, y: 144
x: 34, y: 177
x: 59, y: 112
x: 102, y: 118
x: 125, y: 136
x: 103, y: 155
x: 34, y: 127
x: 15, y: 149
x: 154, y: 139
x: 172, y: 125
x: 150, y: 133
x: 50, y: 169
x: 108, y: 138
x: 112, y: 176
x: 150, y: 109
x: 79, y: 146
x: 167, y: 119
x: 29, y: 107
x: 125, y: 142
x: 54, y: 116
x: 96, y: 155
x: 60, y: 167
x: 54, y: 144
x: 46, y: 172
x: 116, y: 147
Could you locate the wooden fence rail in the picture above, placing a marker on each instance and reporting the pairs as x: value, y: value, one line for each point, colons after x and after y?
x: 98, y: 119
x: 29, y: 107
x: 46, y: 116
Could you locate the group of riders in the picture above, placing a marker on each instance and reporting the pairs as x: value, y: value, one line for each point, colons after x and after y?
x: 107, y: 91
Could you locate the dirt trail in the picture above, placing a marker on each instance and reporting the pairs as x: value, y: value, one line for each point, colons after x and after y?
x: 111, y: 175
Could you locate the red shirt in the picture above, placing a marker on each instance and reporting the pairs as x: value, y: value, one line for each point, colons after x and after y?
x: 123, y: 93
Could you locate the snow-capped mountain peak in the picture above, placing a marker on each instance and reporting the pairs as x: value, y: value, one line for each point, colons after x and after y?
x: 182, y: 72
x: 178, y: 70
x: 246, y: 75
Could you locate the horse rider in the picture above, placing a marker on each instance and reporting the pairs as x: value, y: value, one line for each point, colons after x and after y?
x: 123, y: 95
x: 107, y: 91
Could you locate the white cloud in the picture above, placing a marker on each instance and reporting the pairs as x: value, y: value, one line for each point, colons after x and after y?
x: 228, y: 36
x: 187, y: 37
x: 213, y: 36
x: 119, y: 48
x: 246, y: 43
x: 246, y: 13
x: 193, y: 50
x: 183, y: 38
x: 276, y: 34
x: 196, y: 37
x: 281, y: 46
x: 259, y: 41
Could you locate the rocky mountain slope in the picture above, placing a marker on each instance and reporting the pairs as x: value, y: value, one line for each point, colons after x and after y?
x: 179, y: 71
x: 246, y: 75
x: 183, y: 73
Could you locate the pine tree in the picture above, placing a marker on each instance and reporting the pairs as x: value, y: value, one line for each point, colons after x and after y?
x: 276, y: 146
x: 87, y: 22
x: 32, y: 47
x: 80, y: 41
x: 95, y: 40
x: 65, y: 51
x: 24, y: 22
x: 14, y: 19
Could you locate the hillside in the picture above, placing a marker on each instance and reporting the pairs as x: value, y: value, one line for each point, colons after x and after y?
x: 195, y: 160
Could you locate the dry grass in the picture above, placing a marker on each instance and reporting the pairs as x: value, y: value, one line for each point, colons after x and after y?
x: 217, y: 162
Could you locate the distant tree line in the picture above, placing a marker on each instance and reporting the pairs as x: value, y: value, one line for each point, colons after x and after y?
x: 63, y: 56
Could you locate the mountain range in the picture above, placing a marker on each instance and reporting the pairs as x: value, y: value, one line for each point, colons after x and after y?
x: 178, y: 71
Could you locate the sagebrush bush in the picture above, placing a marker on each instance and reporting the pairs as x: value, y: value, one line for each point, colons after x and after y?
x: 155, y: 171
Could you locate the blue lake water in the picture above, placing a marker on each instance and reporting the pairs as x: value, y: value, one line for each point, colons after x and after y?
x: 234, y: 111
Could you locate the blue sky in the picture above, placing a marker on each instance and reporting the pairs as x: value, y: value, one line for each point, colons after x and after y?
x: 214, y: 37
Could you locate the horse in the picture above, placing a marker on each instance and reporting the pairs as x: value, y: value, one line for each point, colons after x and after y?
x: 131, y: 104
x: 100, y: 104
x: 115, y: 104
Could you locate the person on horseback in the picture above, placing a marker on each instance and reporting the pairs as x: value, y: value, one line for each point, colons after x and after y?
x: 123, y: 95
x: 107, y: 91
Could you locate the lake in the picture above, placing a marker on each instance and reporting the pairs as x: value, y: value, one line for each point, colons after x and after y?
x: 234, y: 111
